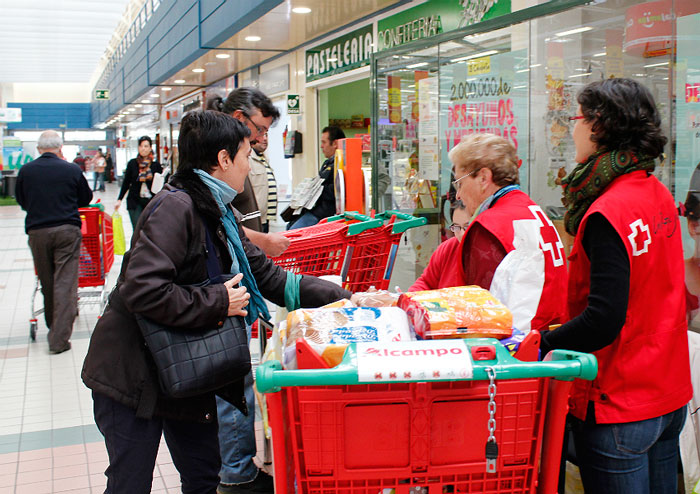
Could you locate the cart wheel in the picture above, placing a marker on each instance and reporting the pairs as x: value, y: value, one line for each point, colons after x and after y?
x: 32, y: 330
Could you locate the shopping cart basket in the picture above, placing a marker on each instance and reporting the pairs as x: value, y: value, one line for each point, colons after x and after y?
x: 96, y: 259
x: 343, y: 430
x: 358, y: 248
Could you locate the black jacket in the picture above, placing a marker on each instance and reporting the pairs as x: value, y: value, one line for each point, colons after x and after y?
x: 325, y: 206
x: 132, y: 185
x: 167, y: 255
x: 51, y: 190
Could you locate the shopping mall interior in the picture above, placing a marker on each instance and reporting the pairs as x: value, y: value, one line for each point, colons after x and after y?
x: 405, y: 81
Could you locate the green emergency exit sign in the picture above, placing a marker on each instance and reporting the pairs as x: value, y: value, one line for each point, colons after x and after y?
x: 101, y: 93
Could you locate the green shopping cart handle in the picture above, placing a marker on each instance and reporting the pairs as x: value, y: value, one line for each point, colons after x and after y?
x: 564, y: 365
x: 366, y: 222
x: 409, y: 221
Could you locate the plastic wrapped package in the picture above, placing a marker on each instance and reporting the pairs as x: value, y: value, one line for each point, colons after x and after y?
x: 376, y: 298
x: 328, y: 331
x: 457, y: 312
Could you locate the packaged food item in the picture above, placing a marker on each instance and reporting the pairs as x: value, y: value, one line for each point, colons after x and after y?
x: 328, y: 331
x: 376, y: 298
x: 456, y: 312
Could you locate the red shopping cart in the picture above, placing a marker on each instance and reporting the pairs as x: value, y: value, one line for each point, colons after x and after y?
x: 337, y: 431
x: 96, y: 259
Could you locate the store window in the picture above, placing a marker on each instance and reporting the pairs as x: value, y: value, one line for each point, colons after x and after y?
x: 520, y: 81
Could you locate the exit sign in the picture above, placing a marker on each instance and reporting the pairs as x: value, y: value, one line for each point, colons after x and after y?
x: 101, y: 93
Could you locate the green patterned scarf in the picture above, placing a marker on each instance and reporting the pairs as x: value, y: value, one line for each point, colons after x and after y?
x: 588, y: 180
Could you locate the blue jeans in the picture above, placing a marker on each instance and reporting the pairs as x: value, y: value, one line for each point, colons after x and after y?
x: 237, y: 437
x: 306, y: 219
x: 636, y: 457
x: 99, y: 179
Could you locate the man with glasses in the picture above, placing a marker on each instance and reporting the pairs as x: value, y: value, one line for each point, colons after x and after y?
x: 253, y: 108
x: 237, y: 443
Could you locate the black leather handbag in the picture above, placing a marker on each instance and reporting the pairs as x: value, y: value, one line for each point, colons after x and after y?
x: 191, y: 362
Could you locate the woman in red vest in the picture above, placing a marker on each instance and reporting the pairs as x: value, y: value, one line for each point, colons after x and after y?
x: 626, y: 295
x: 487, y: 182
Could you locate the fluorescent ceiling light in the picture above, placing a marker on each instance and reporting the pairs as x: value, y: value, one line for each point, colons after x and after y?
x: 223, y: 55
x: 253, y: 38
x: 301, y: 10
x: 154, y: 95
x: 179, y: 81
x: 138, y: 106
x: 475, y: 55
x: 523, y: 70
x: 197, y: 71
x: 639, y: 75
x: 574, y: 31
x: 535, y: 65
x: 580, y: 75
x: 414, y: 65
x: 601, y: 54
x: 166, y: 89
x: 655, y: 65
x: 146, y: 101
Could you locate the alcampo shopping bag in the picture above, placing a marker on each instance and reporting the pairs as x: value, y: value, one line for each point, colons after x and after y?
x: 118, y: 234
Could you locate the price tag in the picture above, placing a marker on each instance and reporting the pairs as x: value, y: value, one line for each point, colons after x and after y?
x: 430, y: 360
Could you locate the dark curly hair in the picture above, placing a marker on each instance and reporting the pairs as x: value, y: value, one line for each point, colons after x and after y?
x: 624, y: 116
x: 249, y: 100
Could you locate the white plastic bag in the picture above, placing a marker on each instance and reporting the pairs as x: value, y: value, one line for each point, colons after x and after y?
x: 158, y: 182
x: 519, y: 279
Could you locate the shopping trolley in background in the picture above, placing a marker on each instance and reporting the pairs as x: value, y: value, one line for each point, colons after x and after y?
x: 358, y: 248
x: 96, y: 259
x: 343, y: 430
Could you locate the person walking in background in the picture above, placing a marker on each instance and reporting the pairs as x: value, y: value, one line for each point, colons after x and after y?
x: 626, y: 296
x: 262, y: 178
x: 99, y: 165
x: 109, y: 167
x: 325, y: 205
x: 80, y: 161
x: 138, y: 179
x: 51, y: 190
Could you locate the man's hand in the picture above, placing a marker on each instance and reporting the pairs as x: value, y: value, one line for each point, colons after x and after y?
x: 275, y: 244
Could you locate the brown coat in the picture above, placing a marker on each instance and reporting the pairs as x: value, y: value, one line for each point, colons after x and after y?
x: 168, y: 253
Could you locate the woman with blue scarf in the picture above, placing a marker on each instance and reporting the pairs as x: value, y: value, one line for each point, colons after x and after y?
x: 487, y: 182
x: 164, y: 277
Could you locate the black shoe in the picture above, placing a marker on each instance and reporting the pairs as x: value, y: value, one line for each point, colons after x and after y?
x: 64, y: 349
x: 263, y: 484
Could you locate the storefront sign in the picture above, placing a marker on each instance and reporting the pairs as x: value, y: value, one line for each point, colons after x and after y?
x: 293, y: 106
x: 10, y: 115
x: 394, y: 98
x: 493, y: 102
x: 434, y: 17
x: 274, y: 81
x: 428, y: 360
x: 101, y: 93
x: 348, y: 52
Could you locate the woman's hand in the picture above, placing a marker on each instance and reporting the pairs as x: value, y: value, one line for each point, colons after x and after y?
x: 117, y: 204
x: 237, y: 297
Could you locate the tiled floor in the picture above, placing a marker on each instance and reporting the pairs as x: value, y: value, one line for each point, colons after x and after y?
x: 48, y: 438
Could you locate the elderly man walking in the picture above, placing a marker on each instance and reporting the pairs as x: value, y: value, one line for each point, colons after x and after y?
x: 51, y: 190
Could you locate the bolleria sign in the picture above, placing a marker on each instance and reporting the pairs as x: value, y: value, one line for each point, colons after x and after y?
x: 429, y: 360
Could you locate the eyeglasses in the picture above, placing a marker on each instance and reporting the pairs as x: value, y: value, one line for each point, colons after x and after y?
x: 577, y: 117
x: 456, y: 227
x: 456, y: 184
x: 259, y: 128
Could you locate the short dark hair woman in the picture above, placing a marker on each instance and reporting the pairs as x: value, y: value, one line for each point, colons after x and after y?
x: 626, y: 295
x: 161, y: 278
x: 138, y: 179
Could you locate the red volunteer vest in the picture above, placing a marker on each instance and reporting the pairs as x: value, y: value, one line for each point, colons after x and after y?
x: 645, y: 372
x: 498, y: 220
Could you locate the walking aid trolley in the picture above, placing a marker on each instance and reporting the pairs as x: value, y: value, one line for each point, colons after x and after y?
x: 426, y: 417
x: 96, y: 258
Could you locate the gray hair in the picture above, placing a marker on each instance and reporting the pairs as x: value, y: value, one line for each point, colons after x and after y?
x: 49, y: 139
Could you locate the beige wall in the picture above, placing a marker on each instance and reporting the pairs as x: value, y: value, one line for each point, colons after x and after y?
x: 31, y: 92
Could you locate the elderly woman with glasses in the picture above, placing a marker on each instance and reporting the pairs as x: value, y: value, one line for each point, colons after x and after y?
x: 487, y: 182
x: 626, y: 295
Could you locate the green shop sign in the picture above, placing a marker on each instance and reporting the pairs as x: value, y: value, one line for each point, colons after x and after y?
x: 434, y: 17
x: 348, y: 52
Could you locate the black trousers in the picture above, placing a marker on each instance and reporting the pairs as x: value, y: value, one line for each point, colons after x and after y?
x: 56, y: 253
x: 132, y: 446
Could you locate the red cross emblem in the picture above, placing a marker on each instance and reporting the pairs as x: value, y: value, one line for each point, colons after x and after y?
x: 640, y: 238
x: 407, y: 375
x: 377, y: 375
x: 392, y: 375
x: 549, y: 238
